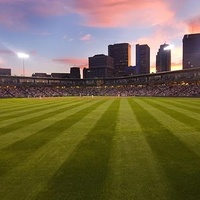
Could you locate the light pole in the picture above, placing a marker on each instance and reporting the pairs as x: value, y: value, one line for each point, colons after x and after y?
x: 23, y: 56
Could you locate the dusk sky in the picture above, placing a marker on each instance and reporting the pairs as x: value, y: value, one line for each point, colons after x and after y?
x: 59, y: 34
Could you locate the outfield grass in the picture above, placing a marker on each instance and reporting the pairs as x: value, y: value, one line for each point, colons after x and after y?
x: 100, y: 148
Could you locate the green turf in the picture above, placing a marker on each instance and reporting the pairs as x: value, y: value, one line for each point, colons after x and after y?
x: 100, y: 148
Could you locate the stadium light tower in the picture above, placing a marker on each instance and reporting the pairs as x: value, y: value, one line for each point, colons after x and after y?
x: 23, y: 56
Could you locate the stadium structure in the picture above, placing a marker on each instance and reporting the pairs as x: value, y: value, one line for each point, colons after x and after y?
x: 174, y: 83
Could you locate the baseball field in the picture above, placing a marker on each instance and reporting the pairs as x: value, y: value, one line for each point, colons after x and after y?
x: 101, y: 148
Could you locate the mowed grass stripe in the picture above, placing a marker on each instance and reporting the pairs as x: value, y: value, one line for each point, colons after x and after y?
x: 23, y: 111
x: 180, y: 164
x: 16, y: 104
x: 189, y: 106
x: 19, y: 151
x: 172, y: 105
x: 181, y: 117
x: 193, y: 101
x: 186, y: 132
x: 134, y: 172
x: 18, y: 123
x: 42, y: 122
x: 45, y: 105
x: 31, y: 177
x: 83, y: 175
x: 26, y: 103
x: 6, y: 104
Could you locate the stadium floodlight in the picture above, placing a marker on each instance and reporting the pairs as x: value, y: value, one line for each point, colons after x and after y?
x: 169, y: 47
x: 23, y: 56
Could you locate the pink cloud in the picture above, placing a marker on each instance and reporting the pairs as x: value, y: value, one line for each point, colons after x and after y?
x: 86, y: 37
x: 14, y: 13
x: 10, y: 52
x: 6, y: 51
x: 114, y: 13
x: 10, y: 18
x: 194, y: 24
x: 99, y: 13
x: 80, y: 62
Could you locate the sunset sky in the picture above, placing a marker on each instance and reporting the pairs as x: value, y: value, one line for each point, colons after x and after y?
x: 59, y: 34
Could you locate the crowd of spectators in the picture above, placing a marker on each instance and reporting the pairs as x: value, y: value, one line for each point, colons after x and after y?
x: 50, y: 91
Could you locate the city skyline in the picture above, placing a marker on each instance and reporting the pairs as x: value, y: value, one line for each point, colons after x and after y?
x: 64, y: 33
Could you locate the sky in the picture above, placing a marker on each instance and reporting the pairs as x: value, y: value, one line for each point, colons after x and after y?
x: 59, y: 34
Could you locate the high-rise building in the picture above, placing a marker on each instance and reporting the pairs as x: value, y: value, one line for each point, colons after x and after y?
x: 163, y: 59
x: 191, y: 51
x: 142, y: 59
x: 100, y: 66
x: 75, y: 72
x: 130, y: 71
x: 121, y: 53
